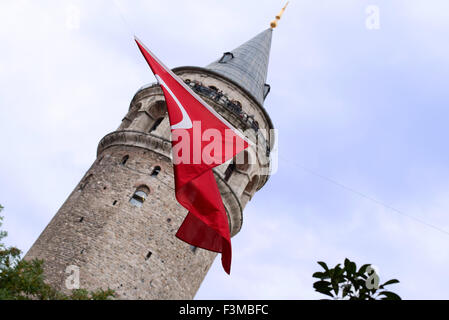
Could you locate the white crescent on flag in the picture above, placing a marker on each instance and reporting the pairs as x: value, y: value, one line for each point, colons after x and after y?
x: 186, y: 122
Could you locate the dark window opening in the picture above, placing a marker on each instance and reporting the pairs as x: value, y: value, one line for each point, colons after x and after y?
x: 125, y: 159
x: 168, y: 220
x: 114, y: 203
x: 193, y: 249
x: 81, y: 219
x: 148, y: 256
x: 139, y: 196
x: 104, y: 188
x: 229, y: 170
x: 266, y: 90
x: 155, y: 171
x: 214, y: 88
x: 227, y: 56
x: 156, y: 124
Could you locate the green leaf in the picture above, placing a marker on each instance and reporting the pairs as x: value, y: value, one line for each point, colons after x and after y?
x: 350, y: 282
x: 389, y: 295
x: 362, y: 269
x: 346, y: 289
x: 352, y: 268
x: 339, y: 275
x: 334, y: 271
x: 327, y: 293
x: 320, y: 275
x: 323, y: 287
x: 322, y: 284
x: 392, y: 281
x: 335, y: 286
x: 324, y: 265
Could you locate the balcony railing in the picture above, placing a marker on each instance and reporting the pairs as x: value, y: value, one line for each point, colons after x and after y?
x: 231, y: 105
x: 234, y: 106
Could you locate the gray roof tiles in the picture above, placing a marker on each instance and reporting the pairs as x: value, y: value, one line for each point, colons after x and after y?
x: 249, y: 66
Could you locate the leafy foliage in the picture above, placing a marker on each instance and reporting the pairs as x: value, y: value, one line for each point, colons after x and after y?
x: 346, y: 282
x: 24, y: 279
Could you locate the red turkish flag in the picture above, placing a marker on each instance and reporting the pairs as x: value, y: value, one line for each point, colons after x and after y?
x: 201, y: 140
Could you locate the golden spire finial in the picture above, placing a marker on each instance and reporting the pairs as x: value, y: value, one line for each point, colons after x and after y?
x: 274, y: 23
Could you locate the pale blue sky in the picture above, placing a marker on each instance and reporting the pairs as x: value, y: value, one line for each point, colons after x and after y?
x: 367, y: 108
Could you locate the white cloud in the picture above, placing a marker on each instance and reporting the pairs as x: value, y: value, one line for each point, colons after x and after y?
x: 276, y: 253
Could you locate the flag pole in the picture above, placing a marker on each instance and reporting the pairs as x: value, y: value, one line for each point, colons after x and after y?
x: 274, y: 23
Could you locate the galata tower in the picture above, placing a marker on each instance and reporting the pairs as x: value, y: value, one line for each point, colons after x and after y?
x: 118, y: 226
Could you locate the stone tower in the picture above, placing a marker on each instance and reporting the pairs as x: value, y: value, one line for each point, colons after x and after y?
x: 118, y: 225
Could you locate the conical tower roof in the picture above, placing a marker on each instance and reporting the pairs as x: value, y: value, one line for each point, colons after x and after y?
x: 247, y: 65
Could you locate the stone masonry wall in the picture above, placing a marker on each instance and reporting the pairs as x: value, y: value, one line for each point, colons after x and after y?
x: 133, y: 250
x: 100, y: 231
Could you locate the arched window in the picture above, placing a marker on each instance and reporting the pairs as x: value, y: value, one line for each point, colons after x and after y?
x: 227, y: 56
x: 155, y: 171
x: 139, y: 196
x: 229, y: 170
x: 124, y: 160
x: 156, y: 124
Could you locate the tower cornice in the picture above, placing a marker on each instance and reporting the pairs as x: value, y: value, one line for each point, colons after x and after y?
x: 250, y: 96
x: 136, y: 139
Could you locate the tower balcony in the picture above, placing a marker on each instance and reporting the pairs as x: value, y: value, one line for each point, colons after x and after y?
x: 136, y: 139
x: 232, y: 106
